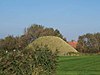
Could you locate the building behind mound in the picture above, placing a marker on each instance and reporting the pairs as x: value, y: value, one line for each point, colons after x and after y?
x: 73, y: 43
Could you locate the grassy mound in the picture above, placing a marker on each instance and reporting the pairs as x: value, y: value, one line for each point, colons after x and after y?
x: 53, y: 43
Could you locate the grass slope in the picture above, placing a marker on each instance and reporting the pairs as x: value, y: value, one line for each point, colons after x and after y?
x: 54, y: 43
x: 79, y: 65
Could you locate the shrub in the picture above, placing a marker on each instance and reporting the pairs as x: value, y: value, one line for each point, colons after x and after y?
x: 41, y: 61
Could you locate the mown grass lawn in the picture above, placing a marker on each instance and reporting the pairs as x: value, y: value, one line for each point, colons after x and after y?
x: 79, y: 65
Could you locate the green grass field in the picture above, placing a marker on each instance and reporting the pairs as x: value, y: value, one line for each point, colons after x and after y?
x: 79, y: 65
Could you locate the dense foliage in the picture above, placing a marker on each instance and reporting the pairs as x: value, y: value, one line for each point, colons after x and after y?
x: 40, y: 61
x: 36, y: 31
x: 89, y: 43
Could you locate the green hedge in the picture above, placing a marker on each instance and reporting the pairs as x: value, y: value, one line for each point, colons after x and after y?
x: 28, y: 62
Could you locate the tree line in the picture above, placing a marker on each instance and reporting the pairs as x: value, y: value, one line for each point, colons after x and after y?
x: 89, y: 43
x: 35, y: 31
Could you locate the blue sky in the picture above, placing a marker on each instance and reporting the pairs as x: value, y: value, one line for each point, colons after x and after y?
x: 71, y: 17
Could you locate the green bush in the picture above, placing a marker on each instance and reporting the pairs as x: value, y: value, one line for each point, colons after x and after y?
x: 40, y: 61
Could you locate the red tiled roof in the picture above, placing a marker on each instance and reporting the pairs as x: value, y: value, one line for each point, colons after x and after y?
x: 73, y: 44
